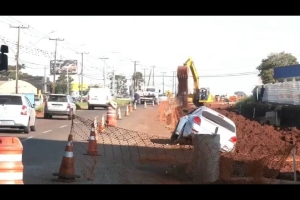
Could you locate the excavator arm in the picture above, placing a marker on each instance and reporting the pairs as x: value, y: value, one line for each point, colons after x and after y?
x: 183, y: 75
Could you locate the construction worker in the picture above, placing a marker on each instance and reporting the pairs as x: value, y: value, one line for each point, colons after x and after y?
x: 136, y: 97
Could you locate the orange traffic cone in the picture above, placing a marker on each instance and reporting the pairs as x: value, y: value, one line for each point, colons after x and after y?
x: 134, y: 106
x: 127, y: 111
x: 152, y: 103
x: 102, y: 125
x: 111, y: 119
x: 92, y: 146
x: 67, y: 171
x: 145, y: 104
x: 130, y: 107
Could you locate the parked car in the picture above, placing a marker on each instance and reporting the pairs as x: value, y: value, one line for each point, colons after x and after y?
x: 204, y: 120
x: 59, y: 105
x: 17, y: 113
x: 162, y: 97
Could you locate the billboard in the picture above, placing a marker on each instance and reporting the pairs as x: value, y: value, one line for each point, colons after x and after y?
x: 63, y: 65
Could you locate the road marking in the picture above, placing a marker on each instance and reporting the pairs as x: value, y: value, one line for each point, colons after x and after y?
x: 47, y: 131
x: 63, y: 126
x: 27, y: 139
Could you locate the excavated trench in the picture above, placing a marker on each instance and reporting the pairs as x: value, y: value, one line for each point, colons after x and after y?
x: 270, y: 146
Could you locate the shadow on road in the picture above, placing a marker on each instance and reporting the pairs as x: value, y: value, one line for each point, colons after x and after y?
x: 118, y: 162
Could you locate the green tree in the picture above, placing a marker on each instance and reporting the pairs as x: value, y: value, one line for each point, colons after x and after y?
x: 11, y: 72
x: 266, y: 68
x: 61, y: 84
x: 120, y: 84
x: 138, y: 79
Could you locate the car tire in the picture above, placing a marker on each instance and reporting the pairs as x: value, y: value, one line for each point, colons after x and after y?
x: 27, y: 128
x: 49, y: 116
x: 33, y: 128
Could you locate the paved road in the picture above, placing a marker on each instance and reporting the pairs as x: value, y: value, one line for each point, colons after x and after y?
x: 44, y: 149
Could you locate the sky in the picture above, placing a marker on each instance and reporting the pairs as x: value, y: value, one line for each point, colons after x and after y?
x: 225, y: 49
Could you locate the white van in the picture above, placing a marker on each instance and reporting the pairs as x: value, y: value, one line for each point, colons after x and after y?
x: 98, y: 97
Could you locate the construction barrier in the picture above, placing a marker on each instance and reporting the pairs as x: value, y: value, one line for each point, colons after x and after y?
x: 11, y: 166
x: 111, y: 119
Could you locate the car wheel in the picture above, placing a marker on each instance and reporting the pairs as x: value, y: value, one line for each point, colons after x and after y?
x: 27, y: 128
x: 33, y: 128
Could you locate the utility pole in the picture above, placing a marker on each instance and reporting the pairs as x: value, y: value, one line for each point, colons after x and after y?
x: 163, y: 81
x: 173, y: 82
x: 18, y: 53
x: 134, y: 76
x: 54, y: 66
x: 104, y: 71
x: 81, y: 84
x: 45, y: 79
x: 144, y: 76
x: 153, y: 76
x: 175, y: 85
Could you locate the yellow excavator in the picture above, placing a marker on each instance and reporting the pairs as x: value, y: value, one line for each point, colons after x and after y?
x: 199, y: 95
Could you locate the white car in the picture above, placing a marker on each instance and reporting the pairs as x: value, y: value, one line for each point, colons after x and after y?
x: 59, y: 105
x: 16, y: 112
x: 204, y: 120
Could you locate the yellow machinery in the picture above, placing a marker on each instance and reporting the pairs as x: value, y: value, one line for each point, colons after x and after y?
x: 199, y: 95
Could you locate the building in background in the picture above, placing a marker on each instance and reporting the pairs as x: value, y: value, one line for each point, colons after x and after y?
x: 9, y: 87
x: 38, y: 82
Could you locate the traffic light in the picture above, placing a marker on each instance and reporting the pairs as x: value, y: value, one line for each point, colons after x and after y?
x: 3, y: 58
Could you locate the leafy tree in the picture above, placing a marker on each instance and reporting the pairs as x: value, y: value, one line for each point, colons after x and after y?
x: 11, y: 72
x: 266, y: 68
x: 61, y: 84
x: 120, y: 84
x: 138, y: 79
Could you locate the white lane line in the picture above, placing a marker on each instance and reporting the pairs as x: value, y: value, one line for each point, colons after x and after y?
x: 33, y: 136
x: 27, y: 139
x: 63, y: 126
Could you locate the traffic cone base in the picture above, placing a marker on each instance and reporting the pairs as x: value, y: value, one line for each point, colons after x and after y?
x: 92, y: 146
x: 67, y: 170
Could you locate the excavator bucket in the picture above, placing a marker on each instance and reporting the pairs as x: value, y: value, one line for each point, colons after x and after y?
x: 182, y: 75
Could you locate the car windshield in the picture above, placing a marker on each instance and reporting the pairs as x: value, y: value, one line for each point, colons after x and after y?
x: 11, y: 100
x: 218, y: 120
x: 150, y: 89
x: 57, y: 98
